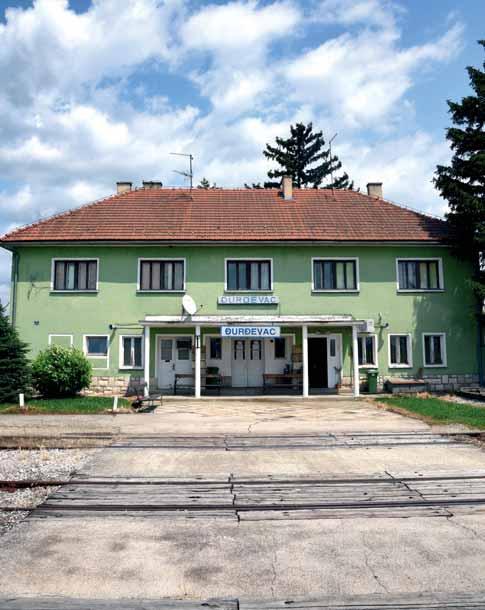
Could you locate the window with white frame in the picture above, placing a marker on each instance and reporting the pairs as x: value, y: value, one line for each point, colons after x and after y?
x: 400, y: 354
x: 367, y: 350
x: 96, y: 346
x: 75, y: 275
x: 162, y: 275
x: 248, y: 275
x: 434, y: 349
x: 420, y: 274
x: 131, y: 354
x: 329, y: 274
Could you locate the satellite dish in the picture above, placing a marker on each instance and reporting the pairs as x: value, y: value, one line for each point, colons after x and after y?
x: 189, y: 305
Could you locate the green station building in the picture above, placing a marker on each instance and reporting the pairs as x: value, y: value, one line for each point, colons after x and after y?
x: 247, y: 291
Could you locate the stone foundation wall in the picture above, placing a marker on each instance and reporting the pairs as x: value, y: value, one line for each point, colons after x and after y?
x: 111, y: 386
x: 436, y: 382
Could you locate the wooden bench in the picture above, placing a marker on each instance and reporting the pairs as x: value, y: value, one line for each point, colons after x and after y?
x: 291, y: 381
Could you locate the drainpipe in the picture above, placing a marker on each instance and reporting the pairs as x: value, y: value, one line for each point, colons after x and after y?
x: 13, y: 287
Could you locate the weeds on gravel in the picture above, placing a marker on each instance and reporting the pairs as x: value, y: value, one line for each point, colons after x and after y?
x: 439, y: 411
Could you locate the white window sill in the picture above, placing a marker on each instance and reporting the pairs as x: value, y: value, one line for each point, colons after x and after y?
x: 367, y: 366
x: 435, y: 366
x: 96, y: 356
x: 74, y: 291
x: 400, y: 366
x: 336, y: 290
x: 131, y: 368
x: 419, y: 290
x: 161, y: 291
x: 248, y: 292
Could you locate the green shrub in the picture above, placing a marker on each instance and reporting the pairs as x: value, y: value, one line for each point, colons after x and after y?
x: 14, y: 364
x: 61, y: 371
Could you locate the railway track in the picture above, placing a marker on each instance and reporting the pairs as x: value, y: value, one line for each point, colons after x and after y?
x: 262, y: 497
x: 235, y: 442
x: 452, y: 601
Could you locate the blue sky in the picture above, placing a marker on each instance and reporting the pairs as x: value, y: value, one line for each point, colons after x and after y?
x: 99, y: 91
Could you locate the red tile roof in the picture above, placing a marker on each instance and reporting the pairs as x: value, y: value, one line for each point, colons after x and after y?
x: 234, y: 215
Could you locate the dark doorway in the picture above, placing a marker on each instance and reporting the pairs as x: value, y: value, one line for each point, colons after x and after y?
x: 317, y: 362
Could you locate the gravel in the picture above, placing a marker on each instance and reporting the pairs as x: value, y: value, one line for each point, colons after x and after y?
x: 43, y: 464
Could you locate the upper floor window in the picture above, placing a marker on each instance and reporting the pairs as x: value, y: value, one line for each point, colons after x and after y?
x: 248, y: 275
x: 162, y: 275
x: 333, y: 274
x: 76, y: 275
x: 420, y: 274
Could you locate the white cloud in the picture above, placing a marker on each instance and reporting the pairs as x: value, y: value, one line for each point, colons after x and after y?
x: 237, y: 37
x: 361, y: 79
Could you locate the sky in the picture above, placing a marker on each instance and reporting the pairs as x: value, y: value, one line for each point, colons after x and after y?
x: 99, y: 91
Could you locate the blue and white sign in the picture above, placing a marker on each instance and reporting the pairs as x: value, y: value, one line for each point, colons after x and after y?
x: 250, y: 332
x: 248, y: 299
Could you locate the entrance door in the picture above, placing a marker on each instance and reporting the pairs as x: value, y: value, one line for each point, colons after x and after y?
x: 317, y: 362
x: 174, y: 356
x: 247, y: 364
x: 334, y: 359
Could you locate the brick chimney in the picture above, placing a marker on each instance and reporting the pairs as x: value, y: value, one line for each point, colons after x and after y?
x: 151, y: 184
x: 287, y: 187
x: 123, y: 187
x: 374, y: 189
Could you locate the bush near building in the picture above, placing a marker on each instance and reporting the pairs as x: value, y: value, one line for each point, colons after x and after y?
x: 14, y: 365
x: 61, y: 372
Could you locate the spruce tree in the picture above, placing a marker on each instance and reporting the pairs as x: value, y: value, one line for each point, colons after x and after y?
x: 205, y: 184
x: 305, y: 157
x: 14, y: 365
x: 462, y: 183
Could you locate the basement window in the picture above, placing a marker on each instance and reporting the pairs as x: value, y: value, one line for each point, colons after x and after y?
x: 75, y: 275
x: 96, y: 346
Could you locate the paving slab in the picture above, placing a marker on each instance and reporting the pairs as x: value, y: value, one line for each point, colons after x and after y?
x: 261, y: 416
x: 136, y: 557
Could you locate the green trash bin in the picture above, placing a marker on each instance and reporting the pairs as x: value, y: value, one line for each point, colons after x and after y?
x: 372, y: 375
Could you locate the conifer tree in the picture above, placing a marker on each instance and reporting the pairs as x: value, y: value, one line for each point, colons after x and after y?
x: 14, y: 365
x: 462, y: 183
x: 305, y: 157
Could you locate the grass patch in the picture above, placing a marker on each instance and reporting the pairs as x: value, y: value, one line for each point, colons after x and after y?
x: 440, y: 411
x: 79, y: 404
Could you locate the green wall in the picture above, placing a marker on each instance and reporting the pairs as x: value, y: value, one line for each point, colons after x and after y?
x: 39, y: 312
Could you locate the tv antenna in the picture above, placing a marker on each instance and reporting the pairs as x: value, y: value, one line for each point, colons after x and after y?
x: 190, y: 173
x: 330, y: 150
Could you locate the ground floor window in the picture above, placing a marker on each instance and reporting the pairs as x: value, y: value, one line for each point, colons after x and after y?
x: 96, y: 346
x: 434, y: 347
x: 184, y: 347
x: 131, y: 352
x: 280, y: 348
x: 400, y: 351
x: 367, y: 350
x: 215, y: 348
